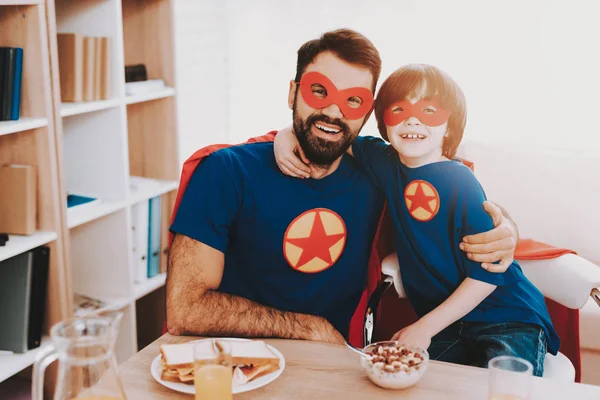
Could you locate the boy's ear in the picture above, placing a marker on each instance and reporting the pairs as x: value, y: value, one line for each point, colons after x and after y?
x: 292, y: 94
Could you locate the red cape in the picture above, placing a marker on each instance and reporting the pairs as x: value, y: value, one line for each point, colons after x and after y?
x: 565, y: 320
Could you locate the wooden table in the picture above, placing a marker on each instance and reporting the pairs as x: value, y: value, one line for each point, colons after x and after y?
x: 323, y: 371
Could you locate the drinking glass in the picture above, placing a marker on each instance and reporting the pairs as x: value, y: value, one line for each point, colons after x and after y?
x: 510, y: 378
x: 213, y: 373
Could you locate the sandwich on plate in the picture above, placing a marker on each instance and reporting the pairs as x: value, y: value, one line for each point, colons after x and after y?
x: 250, y: 359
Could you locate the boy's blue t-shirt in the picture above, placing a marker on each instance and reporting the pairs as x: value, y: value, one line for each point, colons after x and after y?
x: 432, y: 208
x: 299, y: 245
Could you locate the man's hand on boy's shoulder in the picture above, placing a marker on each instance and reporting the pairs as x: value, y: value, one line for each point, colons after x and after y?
x: 496, y: 245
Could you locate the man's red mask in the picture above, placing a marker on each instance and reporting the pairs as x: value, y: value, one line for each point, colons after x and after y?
x: 420, y: 110
x: 344, y: 99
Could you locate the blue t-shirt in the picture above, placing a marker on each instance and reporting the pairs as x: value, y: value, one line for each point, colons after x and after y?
x: 432, y: 208
x: 299, y: 245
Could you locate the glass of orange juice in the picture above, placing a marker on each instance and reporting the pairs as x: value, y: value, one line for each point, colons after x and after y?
x: 510, y: 378
x: 213, y: 374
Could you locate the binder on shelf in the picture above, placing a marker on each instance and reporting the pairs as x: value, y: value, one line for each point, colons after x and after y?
x: 7, y: 77
x: 15, y: 110
x: 18, y: 199
x: 140, y: 228
x: 23, y: 289
x: 154, y: 216
x: 164, y: 233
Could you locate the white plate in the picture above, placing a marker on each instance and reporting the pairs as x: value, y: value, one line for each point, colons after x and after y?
x: 255, y: 384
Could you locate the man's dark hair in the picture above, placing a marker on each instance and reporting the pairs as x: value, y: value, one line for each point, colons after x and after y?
x: 346, y: 44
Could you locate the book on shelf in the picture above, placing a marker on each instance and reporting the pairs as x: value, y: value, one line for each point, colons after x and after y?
x: 154, y: 217
x: 3, y: 238
x: 85, y: 67
x: 77, y: 200
x: 146, y: 222
x: 18, y: 199
x: 135, y: 73
x: 11, y: 71
x: 139, y: 231
x: 23, y: 290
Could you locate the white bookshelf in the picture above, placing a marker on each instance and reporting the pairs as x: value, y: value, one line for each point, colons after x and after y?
x: 18, y: 244
x: 32, y: 140
x: 151, y: 284
x: 23, y: 124
x: 89, y: 212
x: 121, y: 151
x: 155, y: 95
x: 141, y: 189
x: 76, y: 108
x: 20, y: 2
x: 12, y: 363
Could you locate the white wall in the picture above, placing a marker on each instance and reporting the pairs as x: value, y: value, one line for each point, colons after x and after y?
x: 529, y: 68
x: 201, y: 53
x: 530, y: 71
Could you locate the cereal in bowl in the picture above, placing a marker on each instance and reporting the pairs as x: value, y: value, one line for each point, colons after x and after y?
x: 394, y: 358
x: 394, y: 366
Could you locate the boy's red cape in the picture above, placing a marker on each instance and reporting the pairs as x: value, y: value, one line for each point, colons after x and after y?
x: 396, y: 313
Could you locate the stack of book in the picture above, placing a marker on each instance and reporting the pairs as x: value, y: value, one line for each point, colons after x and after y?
x: 146, y: 229
x: 11, y: 68
x: 85, y: 67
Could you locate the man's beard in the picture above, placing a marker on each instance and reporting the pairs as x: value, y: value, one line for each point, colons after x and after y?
x: 321, y: 152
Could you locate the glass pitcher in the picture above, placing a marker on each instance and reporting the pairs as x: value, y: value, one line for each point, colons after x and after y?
x: 86, y: 365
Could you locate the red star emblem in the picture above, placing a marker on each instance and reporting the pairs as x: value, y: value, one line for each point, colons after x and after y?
x: 314, y: 240
x: 422, y: 200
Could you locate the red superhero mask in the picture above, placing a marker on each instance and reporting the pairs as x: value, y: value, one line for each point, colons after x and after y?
x: 341, y: 98
x: 417, y: 110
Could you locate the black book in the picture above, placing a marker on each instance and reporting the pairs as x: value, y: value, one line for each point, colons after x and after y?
x: 135, y: 73
x: 7, y: 77
x: 39, y: 289
x: 23, y: 290
x: 2, y: 63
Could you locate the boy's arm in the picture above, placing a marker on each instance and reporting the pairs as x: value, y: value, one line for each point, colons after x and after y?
x: 465, y: 298
x: 289, y: 155
x: 471, y: 217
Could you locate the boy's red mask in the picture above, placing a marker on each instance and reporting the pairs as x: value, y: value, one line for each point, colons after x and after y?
x: 335, y: 96
x: 437, y: 118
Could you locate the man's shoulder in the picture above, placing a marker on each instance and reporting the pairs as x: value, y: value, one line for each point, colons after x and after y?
x: 241, y: 155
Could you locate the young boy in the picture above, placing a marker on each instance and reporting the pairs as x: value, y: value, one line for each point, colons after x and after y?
x: 467, y: 315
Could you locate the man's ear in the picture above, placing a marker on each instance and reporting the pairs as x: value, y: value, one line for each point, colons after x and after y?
x: 292, y: 94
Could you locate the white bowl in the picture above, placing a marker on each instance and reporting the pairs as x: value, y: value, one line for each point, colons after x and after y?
x: 396, y: 379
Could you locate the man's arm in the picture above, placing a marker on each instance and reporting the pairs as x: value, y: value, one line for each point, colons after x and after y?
x: 194, y: 307
x: 498, y: 244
